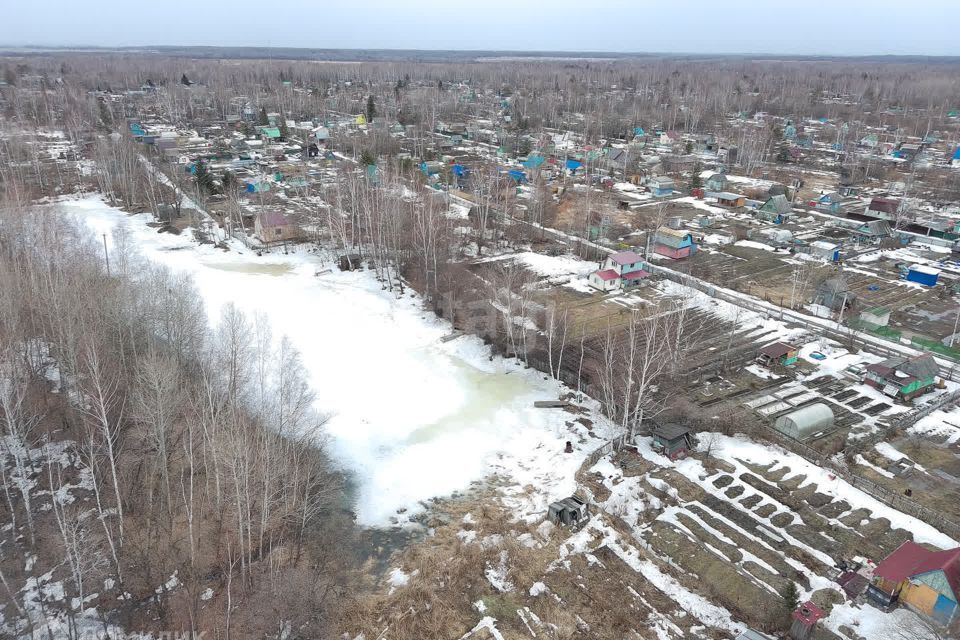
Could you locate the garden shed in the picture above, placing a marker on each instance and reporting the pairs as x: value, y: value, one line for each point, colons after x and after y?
x: 922, y: 274
x: 805, y: 422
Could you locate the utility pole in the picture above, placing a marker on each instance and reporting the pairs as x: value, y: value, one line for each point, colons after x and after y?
x: 956, y: 323
x: 843, y: 307
x: 106, y: 255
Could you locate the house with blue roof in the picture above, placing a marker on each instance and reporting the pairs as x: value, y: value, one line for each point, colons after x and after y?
x: 660, y: 186
x: 674, y: 243
x: 533, y: 161
x: 829, y: 202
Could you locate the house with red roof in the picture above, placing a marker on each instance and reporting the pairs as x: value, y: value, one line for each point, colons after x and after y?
x: 926, y: 581
x: 620, y: 271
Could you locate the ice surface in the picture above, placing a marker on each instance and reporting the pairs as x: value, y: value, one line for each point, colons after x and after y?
x: 412, y: 417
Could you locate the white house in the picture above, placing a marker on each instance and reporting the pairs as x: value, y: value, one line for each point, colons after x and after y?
x: 605, y: 280
x: 620, y: 270
x: 825, y: 250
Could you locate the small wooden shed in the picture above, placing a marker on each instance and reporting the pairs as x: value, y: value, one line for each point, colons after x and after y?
x: 673, y: 440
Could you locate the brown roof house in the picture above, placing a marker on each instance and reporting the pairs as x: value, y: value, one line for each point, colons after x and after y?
x: 902, y: 377
x: 274, y: 226
x: 779, y: 353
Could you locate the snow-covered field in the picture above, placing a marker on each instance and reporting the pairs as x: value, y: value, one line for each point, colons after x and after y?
x: 412, y: 417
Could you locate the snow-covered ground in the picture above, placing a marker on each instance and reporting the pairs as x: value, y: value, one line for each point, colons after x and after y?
x: 628, y: 500
x: 412, y: 417
x: 567, y: 270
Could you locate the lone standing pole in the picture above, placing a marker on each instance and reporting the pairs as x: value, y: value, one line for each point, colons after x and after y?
x: 106, y: 256
x: 955, y: 324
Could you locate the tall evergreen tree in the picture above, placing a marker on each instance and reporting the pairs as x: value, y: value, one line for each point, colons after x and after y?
x: 263, y: 120
x: 791, y: 597
x: 184, y: 80
x: 695, y: 180
x: 202, y: 175
x: 371, y: 109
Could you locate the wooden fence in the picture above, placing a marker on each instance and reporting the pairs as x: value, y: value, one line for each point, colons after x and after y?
x: 892, y: 499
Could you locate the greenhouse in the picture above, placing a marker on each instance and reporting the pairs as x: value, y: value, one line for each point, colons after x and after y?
x: 805, y: 422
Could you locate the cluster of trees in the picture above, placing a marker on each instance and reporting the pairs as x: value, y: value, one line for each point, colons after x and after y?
x: 186, y: 452
x: 600, y: 100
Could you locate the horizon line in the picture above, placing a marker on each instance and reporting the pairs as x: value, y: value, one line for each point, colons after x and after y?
x: 4, y: 48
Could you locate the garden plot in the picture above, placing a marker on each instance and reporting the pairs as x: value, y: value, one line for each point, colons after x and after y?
x: 925, y: 462
x: 752, y: 518
x: 830, y: 373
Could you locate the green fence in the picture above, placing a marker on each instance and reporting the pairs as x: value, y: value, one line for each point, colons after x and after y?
x: 925, y: 344
x: 937, y: 347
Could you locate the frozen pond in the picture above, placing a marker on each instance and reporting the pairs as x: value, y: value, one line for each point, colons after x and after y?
x: 412, y: 417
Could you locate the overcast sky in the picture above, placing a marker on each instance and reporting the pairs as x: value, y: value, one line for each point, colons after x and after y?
x: 844, y: 27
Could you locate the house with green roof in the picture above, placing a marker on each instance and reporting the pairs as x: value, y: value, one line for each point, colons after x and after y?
x: 270, y: 134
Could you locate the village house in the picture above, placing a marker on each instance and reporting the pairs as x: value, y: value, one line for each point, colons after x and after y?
x: 777, y: 208
x: 829, y: 202
x: 902, y: 377
x: 673, y: 440
x: 882, y: 208
x: 674, y: 243
x: 275, y: 226
x: 835, y: 294
x: 660, y: 186
x: 778, y: 353
x: 620, y: 270
x: 716, y: 182
x: 926, y: 581
x: 730, y: 200
x: 669, y: 137
x: 804, y: 620
x: 873, y: 231
x: 270, y: 134
x: 825, y: 250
